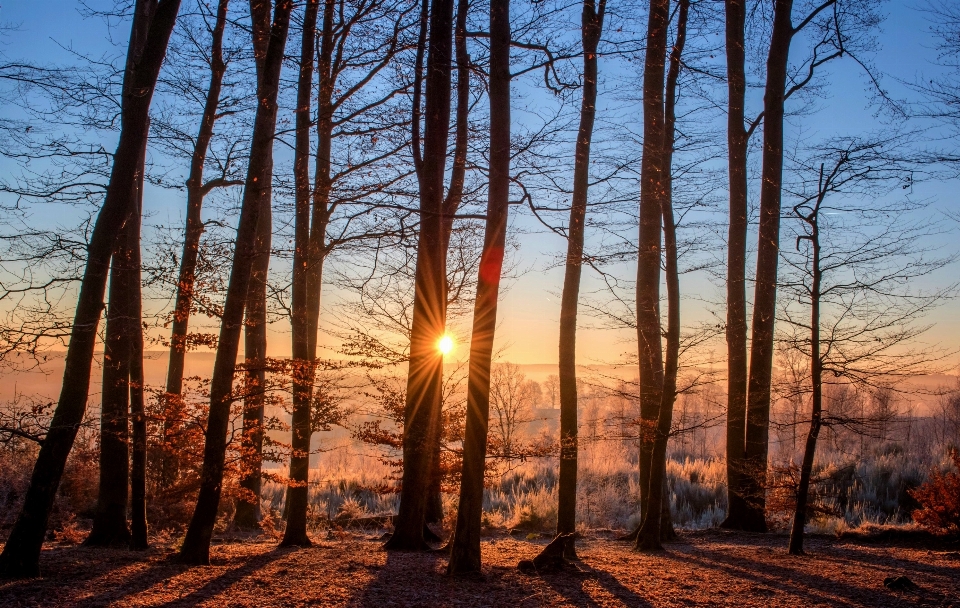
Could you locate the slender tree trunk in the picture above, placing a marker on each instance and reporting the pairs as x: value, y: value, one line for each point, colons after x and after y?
x: 21, y: 554
x: 138, y: 417
x: 110, y: 520
x: 737, y: 139
x: 247, y: 513
x: 652, y: 530
x: 816, y: 379
x: 652, y: 177
x: 196, y: 545
x: 450, y: 206
x: 295, y: 533
x: 465, y: 550
x: 591, y: 29
x: 188, y: 261
x: 765, y: 299
x: 424, y: 381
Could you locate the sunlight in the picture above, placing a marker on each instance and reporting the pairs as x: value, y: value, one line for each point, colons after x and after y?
x: 445, y: 345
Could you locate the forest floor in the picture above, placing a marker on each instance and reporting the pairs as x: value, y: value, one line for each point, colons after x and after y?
x: 712, y: 568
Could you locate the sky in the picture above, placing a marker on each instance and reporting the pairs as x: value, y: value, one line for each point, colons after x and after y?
x: 529, y: 311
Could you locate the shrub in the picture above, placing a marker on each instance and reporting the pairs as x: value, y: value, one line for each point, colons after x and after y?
x: 939, y: 498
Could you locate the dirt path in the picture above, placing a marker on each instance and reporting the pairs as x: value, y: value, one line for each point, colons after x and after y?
x: 703, y: 569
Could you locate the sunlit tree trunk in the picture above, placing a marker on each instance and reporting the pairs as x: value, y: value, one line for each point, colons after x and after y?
x: 303, y: 368
x: 247, y: 514
x: 196, y: 545
x: 21, y: 554
x: 465, y: 549
x: 196, y: 190
x: 652, y: 176
x: 424, y: 381
x: 656, y: 521
x: 138, y: 416
x: 765, y: 299
x: 591, y: 28
x: 736, y: 330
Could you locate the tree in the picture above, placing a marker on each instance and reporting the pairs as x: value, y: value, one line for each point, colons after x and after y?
x: 591, y: 30
x: 465, y: 548
x: 197, y: 189
x: 196, y: 545
x: 852, y: 272
x: 154, y: 19
x: 424, y: 381
x: 652, y: 528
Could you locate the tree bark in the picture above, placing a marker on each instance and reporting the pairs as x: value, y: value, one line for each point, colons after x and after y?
x: 21, y: 554
x: 450, y: 206
x: 765, y: 298
x: 196, y: 545
x: 424, y: 381
x: 652, y: 176
x: 247, y: 513
x: 591, y: 29
x: 465, y: 549
x: 188, y: 260
x: 736, y: 330
x: 816, y: 379
x: 295, y: 533
x: 652, y: 530
x: 138, y: 416
x: 110, y: 520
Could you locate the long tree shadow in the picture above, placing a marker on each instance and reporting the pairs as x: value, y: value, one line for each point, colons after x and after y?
x: 391, y: 583
x: 221, y: 583
x: 800, y: 583
x: 571, y: 583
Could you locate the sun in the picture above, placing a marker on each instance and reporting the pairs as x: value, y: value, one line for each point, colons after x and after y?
x: 445, y: 345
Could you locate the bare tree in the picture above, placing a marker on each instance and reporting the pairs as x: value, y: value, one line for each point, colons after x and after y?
x: 153, y: 23
x: 196, y: 545
x: 852, y: 272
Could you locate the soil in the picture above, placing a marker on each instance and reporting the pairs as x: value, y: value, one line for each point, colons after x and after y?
x: 713, y: 568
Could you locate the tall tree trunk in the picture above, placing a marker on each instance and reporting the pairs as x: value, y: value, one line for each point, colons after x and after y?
x: 465, y: 550
x: 652, y: 176
x: 816, y: 379
x: 196, y: 545
x: 295, y: 533
x: 21, y: 554
x: 138, y: 416
x: 450, y: 206
x: 188, y: 261
x: 765, y: 298
x: 247, y: 513
x: 424, y: 381
x: 110, y: 520
x: 591, y: 29
x: 652, y: 530
x: 736, y: 330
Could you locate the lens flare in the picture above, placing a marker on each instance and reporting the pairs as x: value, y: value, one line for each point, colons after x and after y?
x: 445, y: 345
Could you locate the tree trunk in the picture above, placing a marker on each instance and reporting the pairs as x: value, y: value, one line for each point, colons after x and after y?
x: 591, y: 29
x: 450, y: 206
x: 188, y: 261
x: 247, y: 513
x: 424, y: 381
x: 652, y: 530
x: 765, y: 299
x: 21, y: 554
x: 652, y: 176
x: 465, y: 550
x: 138, y: 416
x: 295, y: 533
x: 110, y: 520
x: 736, y: 330
x: 196, y: 545
x: 816, y: 379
